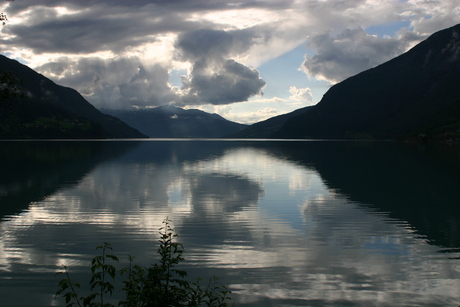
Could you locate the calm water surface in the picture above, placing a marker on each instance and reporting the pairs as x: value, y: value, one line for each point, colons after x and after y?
x: 284, y: 223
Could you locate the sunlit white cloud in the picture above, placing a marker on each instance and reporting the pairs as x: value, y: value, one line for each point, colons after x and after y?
x: 301, y: 94
x: 254, y: 116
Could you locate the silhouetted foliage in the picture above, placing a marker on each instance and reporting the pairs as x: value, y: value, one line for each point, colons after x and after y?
x: 3, y: 18
x: 160, y: 285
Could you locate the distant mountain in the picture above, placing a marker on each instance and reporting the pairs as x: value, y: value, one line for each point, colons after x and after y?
x: 48, y: 110
x: 174, y: 122
x: 417, y: 93
x: 266, y: 128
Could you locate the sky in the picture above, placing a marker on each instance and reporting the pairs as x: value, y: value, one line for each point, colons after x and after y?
x: 245, y: 60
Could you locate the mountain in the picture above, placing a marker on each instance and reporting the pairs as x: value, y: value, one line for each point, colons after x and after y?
x: 173, y: 122
x: 414, y: 94
x: 266, y: 128
x: 47, y: 110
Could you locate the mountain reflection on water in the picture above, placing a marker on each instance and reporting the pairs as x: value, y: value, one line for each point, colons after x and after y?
x: 415, y: 183
x: 34, y: 170
x: 283, y: 223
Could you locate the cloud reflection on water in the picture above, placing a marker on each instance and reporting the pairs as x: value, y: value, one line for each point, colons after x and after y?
x: 271, y: 228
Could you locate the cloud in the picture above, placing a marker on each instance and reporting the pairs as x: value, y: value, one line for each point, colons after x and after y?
x: 115, y: 83
x: 352, y: 51
x: 213, y: 44
x: 301, y: 94
x: 96, y: 28
x: 215, y: 77
x: 251, y: 117
x: 125, y: 81
x: 233, y: 83
x: 432, y: 16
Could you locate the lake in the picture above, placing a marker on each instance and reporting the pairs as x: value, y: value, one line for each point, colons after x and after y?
x: 282, y: 223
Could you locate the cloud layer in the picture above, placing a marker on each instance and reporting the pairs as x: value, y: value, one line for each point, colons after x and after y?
x: 120, y: 54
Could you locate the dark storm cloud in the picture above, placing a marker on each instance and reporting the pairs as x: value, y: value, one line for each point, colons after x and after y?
x: 206, y: 43
x: 234, y: 83
x: 101, y: 28
x: 352, y: 51
x: 173, y: 5
x: 216, y: 78
x: 111, y: 25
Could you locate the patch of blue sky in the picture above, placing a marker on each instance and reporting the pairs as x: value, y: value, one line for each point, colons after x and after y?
x: 175, y: 76
x: 11, y: 56
x: 389, y: 29
x: 285, y: 71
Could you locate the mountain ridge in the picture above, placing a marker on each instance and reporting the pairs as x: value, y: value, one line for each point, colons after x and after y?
x: 48, y: 110
x: 168, y: 121
x: 265, y: 128
x: 413, y: 94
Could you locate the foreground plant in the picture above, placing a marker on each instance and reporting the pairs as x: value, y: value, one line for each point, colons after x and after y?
x: 161, y: 284
x: 100, y: 270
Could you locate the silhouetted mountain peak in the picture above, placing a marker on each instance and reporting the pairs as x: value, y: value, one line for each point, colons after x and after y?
x: 414, y: 93
x: 48, y: 110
